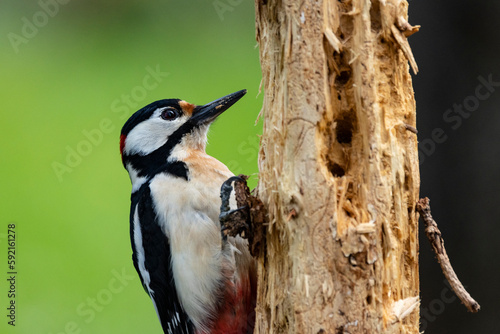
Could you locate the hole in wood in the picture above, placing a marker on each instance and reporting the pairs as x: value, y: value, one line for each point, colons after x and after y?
x: 410, y: 211
x: 343, y: 78
x: 407, y: 181
x: 336, y: 170
x: 344, y: 131
x: 353, y: 261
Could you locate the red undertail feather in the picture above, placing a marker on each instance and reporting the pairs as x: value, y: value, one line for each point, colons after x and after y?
x: 237, y: 315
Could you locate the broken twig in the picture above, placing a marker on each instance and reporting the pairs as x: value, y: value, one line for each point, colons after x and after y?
x: 437, y: 242
x: 411, y: 128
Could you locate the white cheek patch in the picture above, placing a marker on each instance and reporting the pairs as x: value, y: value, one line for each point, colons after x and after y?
x: 151, y: 134
x: 146, y: 137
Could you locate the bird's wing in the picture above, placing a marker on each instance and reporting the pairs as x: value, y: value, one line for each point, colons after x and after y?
x: 152, y: 261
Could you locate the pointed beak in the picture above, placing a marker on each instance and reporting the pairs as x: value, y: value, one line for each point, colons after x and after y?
x: 208, y: 113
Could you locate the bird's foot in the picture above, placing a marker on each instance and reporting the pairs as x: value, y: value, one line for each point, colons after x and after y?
x: 234, y: 211
x: 242, y: 213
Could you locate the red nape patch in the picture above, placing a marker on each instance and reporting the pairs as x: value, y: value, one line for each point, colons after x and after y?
x: 122, y: 144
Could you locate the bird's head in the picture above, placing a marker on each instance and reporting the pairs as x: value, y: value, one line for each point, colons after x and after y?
x: 164, y: 130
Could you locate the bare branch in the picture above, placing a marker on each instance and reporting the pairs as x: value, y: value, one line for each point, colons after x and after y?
x: 434, y: 235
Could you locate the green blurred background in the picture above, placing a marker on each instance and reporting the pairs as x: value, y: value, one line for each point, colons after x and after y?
x: 72, y: 72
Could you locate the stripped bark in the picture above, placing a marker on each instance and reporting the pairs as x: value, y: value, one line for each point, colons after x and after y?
x: 338, y: 168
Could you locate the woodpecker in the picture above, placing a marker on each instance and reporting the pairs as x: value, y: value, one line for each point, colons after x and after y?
x: 199, y: 280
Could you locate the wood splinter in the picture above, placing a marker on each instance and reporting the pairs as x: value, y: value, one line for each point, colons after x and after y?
x: 434, y: 235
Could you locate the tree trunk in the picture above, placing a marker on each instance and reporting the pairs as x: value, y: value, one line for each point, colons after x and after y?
x: 338, y: 168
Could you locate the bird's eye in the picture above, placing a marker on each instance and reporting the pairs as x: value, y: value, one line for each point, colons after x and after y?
x: 169, y: 114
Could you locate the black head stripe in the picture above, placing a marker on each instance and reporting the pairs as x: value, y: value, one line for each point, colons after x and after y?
x: 176, y: 137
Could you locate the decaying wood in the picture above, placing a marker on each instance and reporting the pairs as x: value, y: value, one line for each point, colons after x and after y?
x: 338, y: 169
x: 437, y: 242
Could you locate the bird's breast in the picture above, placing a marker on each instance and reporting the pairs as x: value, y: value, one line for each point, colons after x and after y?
x: 188, y: 212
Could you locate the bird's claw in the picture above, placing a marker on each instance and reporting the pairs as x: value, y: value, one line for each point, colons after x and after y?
x: 234, y: 212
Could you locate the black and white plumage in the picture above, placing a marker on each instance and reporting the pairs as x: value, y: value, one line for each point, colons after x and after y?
x: 198, y: 282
